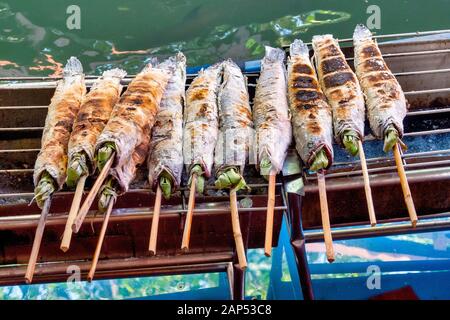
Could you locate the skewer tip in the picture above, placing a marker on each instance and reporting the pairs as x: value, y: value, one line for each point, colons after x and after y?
x: 185, y: 249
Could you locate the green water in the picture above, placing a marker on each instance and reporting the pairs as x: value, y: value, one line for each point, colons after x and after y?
x: 35, y: 40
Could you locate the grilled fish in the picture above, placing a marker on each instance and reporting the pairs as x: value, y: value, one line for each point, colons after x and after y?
x: 201, y: 123
x: 92, y: 117
x: 235, y: 128
x: 386, y: 103
x: 342, y: 90
x: 129, y: 127
x: 165, y: 162
x: 271, y: 113
x: 50, y: 167
x: 311, y: 114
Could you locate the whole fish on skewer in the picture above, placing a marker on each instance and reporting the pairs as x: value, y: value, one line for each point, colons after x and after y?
x: 233, y: 144
x: 51, y: 163
x: 128, y: 130
x: 310, y: 112
x: 273, y: 128
x: 201, y: 124
x: 235, y: 129
x: 386, y: 103
x: 271, y: 113
x: 93, y: 115
x: 126, y: 139
x: 342, y: 89
x: 201, y: 129
x: 165, y: 162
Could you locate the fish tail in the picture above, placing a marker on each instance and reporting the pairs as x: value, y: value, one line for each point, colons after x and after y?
x: 274, y: 54
x: 320, y: 38
x: 361, y: 33
x: 172, y: 63
x: 299, y: 48
x: 73, y: 68
x: 152, y: 62
x: 114, y: 73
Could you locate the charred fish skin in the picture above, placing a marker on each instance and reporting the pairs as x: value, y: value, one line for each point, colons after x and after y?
x: 92, y: 117
x: 166, y: 152
x: 235, y: 128
x: 66, y: 101
x: 271, y: 113
x: 311, y: 115
x: 341, y: 87
x: 129, y: 127
x: 201, y: 123
x: 386, y: 103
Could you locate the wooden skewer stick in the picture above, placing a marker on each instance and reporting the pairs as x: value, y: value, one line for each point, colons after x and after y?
x: 270, y: 210
x: 405, y: 186
x: 37, y: 241
x: 100, y: 241
x: 237, y: 234
x: 325, y: 216
x: 92, y: 194
x: 67, y: 236
x: 368, y: 190
x: 190, y: 213
x: 155, y: 222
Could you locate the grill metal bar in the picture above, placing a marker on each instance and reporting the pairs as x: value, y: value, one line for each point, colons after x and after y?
x: 423, y: 225
x: 143, y: 190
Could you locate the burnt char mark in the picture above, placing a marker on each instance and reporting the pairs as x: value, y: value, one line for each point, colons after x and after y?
x: 375, y: 64
x: 338, y: 79
x: 203, y: 110
x: 82, y: 116
x: 199, y: 94
x: 330, y: 51
x: 65, y: 124
x: 380, y: 76
x: 302, y: 68
x: 370, y: 51
x: 389, y: 93
x: 334, y: 64
x: 308, y: 95
x: 304, y: 106
x: 305, y: 82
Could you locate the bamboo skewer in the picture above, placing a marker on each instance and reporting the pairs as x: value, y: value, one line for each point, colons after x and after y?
x: 237, y: 234
x: 190, y: 213
x: 37, y: 241
x: 101, y: 237
x: 155, y: 222
x: 67, y: 236
x: 368, y: 190
x: 325, y: 216
x: 92, y: 194
x: 405, y: 186
x: 270, y: 210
